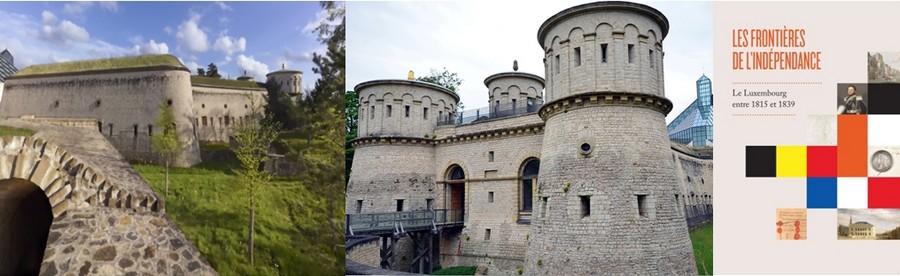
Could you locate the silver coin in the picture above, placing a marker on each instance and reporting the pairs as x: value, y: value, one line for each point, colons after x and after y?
x: 882, y: 161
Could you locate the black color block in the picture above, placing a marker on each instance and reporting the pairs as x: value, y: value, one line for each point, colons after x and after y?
x: 760, y: 161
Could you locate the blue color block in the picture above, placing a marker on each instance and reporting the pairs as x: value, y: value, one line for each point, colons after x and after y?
x: 821, y: 192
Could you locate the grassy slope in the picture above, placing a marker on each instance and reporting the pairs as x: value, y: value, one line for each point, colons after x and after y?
x: 702, y: 239
x: 210, y: 204
x: 101, y: 64
x: 12, y: 131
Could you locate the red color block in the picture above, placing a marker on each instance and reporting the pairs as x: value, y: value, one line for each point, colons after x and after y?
x: 852, y: 145
x: 884, y: 192
x: 821, y: 161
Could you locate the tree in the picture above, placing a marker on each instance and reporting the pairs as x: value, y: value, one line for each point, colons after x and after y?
x: 280, y: 105
x: 351, y: 114
x: 201, y: 72
x: 212, y: 71
x: 446, y: 79
x: 254, y: 139
x: 166, y: 143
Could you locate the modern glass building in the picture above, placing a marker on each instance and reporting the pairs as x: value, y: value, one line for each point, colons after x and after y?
x: 694, y: 126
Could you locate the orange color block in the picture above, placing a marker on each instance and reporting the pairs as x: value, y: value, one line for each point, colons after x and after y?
x: 852, y: 145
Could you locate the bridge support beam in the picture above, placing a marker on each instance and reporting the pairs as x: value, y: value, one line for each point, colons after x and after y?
x: 387, y: 251
x: 424, y: 244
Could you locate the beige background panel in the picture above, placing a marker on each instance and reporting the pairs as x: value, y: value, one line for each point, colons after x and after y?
x: 745, y: 208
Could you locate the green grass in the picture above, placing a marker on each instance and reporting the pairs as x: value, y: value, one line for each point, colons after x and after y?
x: 209, y: 204
x: 13, y: 131
x: 456, y: 270
x: 214, y: 146
x: 224, y: 82
x: 101, y: 64
x: 702, y: 239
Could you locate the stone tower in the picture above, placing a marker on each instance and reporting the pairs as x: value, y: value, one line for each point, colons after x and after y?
x: 606, y: 198
x: 514, y: 92
x: 393, y: 167
x: 291, y: 81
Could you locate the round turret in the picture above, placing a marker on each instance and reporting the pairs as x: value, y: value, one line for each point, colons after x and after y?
x: 514, y: 91
x: 290, y: 80
x: 606, y: 198
x: 402, y: 108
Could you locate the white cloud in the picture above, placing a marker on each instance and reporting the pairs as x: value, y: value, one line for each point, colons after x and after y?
x: 62, y: 33
x: 168, y: 30
x: 81, y: 6
x: 253, y: 67
x: 228, y: 45
x: 191, y: 36
x: 321, y: 17
x: 151, y: 48
x: 223, y: 6
x: 192, y: 66
x: 301, y: 57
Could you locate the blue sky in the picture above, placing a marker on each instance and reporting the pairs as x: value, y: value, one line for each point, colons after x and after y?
x: 237, y: 36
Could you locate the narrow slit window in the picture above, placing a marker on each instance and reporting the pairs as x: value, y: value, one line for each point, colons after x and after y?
x: 487, y: 234
x: 389, y: 110
x: 429, y: 204
x: 652, y: 64
x: 630, y: 53
x: 556, y: 65
x: 490, y: 197
x: 399, y: 205
x: 149, y: 130
x: 372, y: 112
x: 425, y: 113
x: 491, y: 156
x: 642, y: 205
x: 585, y: 206
x: 577, y: 56
x: 359, y: 204
x: 544, y: 206
x: 603, y: 53
x: 406, y: 111
x: 135, y: 130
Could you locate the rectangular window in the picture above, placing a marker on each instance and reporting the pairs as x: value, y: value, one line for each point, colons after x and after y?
x: 429, y: 204
x: 359, y: 206
x: 487, y: 234
x: 100, y: 126
x: 630, y: 53
x: 110, y: 129
x: 544, y: 206
x: 390, y: 110
x: 399, y: 205
x: 577, y: 56
x: 642, y: 205
x: 406, y: 111
x: 490, y: 197
x: 149, y: 130
x: 440, y: 115
x: 652, y: 64
x: 227, y: 121
x: 135, y: 129
x: 603, y: 53
x: 526, y: 192
x: 372, y: 112
x: 491, y: 156
x: 678, y: 205
x: 514, y: 104
x: 425, y: 113
x: 556, y: 65
x: 585, y: 206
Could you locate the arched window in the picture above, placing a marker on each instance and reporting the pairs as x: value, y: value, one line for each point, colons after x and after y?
x: 528, y: 177
x: 456, y: 173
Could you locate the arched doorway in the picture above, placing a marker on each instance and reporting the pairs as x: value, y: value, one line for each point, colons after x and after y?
x: 25, y: 218
x: 456, y: 191
x: 528, y: 177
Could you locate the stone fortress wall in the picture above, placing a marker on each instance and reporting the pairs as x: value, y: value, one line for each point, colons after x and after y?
x: 217, y: 109
x: 616, y: 105
x: 124, y: 103
x: 402, y: 108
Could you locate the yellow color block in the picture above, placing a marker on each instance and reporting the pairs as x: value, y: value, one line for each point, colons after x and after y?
x: 790, y: 161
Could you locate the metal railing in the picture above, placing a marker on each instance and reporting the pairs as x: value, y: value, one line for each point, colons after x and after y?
x: 401, y: 222
x: 486, y: 113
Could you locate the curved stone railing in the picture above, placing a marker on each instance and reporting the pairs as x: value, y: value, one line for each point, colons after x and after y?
x: 68, y: 182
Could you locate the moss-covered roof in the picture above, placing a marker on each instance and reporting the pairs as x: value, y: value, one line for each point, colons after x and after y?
x: 131, y: 62
x: 224, y: 82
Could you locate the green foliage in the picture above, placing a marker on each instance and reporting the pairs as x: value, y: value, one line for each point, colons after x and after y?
x: 702, y: 240
x: 211, y: 211
x: 212, y: 71
x: 254, y: 138
x: 280, y: 105
x: 519, y: 270
x: 540, y: 262
x: 223, y: 82
x: 566, y: 187
x: 214, y: 146
x: 456, y: 270
x: 351, y: 117
x: 101, y: 64
x: 14, y: 131
x: 445, y: 79
x: 166, y: 142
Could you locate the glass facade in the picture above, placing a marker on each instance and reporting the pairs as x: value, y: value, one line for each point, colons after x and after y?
x: 694, y: 126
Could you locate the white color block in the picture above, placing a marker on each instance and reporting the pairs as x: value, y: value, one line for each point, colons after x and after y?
x: 821, y: 130
x: 853, y: 192
x: 884, y: 130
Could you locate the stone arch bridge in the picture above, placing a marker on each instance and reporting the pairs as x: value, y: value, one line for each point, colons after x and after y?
x: 69, y: 202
